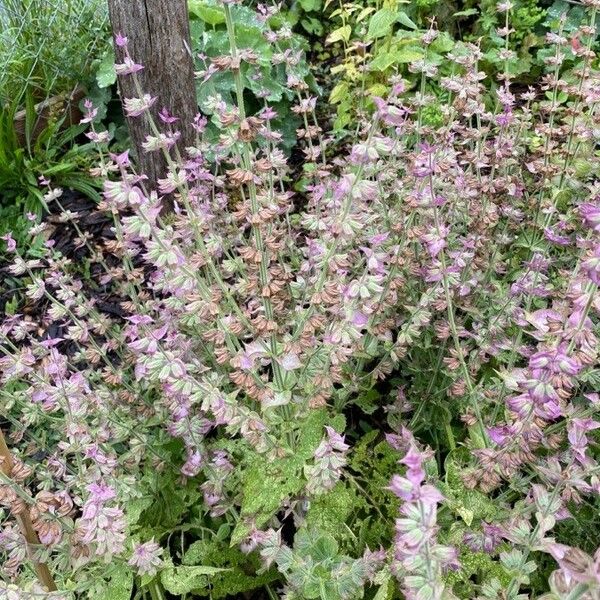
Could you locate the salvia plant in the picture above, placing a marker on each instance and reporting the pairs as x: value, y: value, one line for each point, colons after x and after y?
x: 379, y: 381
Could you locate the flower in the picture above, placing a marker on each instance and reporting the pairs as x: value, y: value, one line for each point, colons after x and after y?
x: 590, y: 213
x: 11, y: 244
x: 134, y: 107
x: 127, y: 67
x: 120, y: 40
x: 146, y: 558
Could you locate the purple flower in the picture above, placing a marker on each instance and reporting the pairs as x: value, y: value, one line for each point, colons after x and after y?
x: 166, y: 117
x: 127, y: 67
x: 146, y: 558
x: 590, y: 213
x: 11, y: 245
x: 120, y: 40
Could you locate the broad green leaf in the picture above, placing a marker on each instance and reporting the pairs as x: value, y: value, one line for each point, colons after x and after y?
x: 211, y: 14
x: 339, y: 92
x: 340, y: 34
x: 405, y: 20
x: 408, y: 54
x: 267, y: 483
x: 240, y: 531
x: 442, y: 43
x: 309, y: 5
x: 118, y: 587
x: 383, y: 61
x: 182, y: 580
x: 135, y: 508
x: 365, y: 12
x: 381, y: 23
x: 106, y: 74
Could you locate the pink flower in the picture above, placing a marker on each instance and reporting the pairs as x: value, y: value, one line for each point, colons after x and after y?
x: 166, y: 117
x: 127, y: 67
x: 120, y: 40
x: 290, y: 361
x: 134, y: 107
x: 590, y: 213
x: 11, y: 244
x: 146, y: 558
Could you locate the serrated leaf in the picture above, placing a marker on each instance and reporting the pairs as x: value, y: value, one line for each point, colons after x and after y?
x: 382, y: 62
x: 381, y: 23
x: 182, y: 580
x: 385, y: 60
x: 442, y: 43
x: 383, y: 592
x: 408, y: 54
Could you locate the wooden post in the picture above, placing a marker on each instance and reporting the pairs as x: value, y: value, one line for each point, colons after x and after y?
x: 24, y: 520
x: 158, y: 33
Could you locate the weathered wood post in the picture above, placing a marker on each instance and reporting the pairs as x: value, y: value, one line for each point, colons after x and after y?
x: 24, y: 520
x: 158, y: 33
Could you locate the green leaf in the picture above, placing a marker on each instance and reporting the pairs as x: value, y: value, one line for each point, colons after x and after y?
x: 442, y: 43
x: 118, y: 587
x: 382, y: 62
x: 268, y: 483
x: 466, y: 13
x: 383, y: 592
x: 213, y: 15
x: 466, y: 514
x: 408, y: 54
x: 339, y: 92
x: 135, y: 508
x: 309, y: 5
x: 385, y: 60
x: 106, y: 74
x: 340, y: 34
x: 182, y: 580
x: 368, y: 401
x: 405, y: 20
x: 381, y: 23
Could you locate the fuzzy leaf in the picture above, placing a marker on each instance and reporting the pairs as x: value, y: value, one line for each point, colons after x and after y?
x: 383, y: 593
x: 182, y: 580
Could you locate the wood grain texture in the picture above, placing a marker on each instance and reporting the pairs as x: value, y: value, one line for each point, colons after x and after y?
x: 159, y: 38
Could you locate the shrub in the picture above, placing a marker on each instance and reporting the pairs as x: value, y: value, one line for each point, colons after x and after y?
x: 223, y: 431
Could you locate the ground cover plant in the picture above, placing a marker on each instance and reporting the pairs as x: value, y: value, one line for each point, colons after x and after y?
x: 373, y: 377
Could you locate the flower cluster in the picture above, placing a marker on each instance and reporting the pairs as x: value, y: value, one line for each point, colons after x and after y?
x: 196, y: 376
x: 421, y: 560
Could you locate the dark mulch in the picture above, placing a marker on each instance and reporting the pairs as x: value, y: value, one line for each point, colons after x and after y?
x: 97, y: 226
